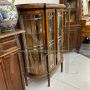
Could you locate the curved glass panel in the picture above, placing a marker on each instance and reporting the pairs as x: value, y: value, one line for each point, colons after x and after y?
x: 34, y: 33
x: 51, y: 26
x: 59, y: 32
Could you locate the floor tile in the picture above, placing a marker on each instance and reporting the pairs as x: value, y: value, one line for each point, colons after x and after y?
x: 76, y: 75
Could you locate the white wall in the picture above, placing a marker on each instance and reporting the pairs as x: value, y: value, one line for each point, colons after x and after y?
x: 35, y: 1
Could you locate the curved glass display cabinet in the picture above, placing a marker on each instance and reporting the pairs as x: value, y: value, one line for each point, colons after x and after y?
x: 39, y: 22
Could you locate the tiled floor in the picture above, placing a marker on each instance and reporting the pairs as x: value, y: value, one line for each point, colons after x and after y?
x: 76, y: 75
x: 85, y: 50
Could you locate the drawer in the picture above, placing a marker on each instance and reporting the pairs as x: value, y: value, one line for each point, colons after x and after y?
x: 7, y: 44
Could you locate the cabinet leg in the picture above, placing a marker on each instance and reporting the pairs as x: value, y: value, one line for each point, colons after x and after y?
x: 48, y: 73
x: 62, y: 67
x: 26, y: 80
x: 77, y: 50
x: 48, y: 80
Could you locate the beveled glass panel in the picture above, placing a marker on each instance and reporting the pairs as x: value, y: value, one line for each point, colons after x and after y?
x: 59, y: 44
x: 52, y: 55
x: 37, y: 60
x: 34, y: 33
x: 51, y: 26
x: 59, y: 32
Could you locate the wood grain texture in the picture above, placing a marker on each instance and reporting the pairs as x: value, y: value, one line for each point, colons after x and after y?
x: 11, y: 73
x: 2, y: 80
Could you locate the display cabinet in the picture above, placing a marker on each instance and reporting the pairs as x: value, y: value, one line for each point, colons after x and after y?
x: 11, y: 69
x: 39, y: 21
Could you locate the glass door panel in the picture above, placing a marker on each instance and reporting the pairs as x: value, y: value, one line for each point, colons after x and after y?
x: 33, y: 24
x: 59, y: 31
x: 51, y: 26
x: 37, y: 60
x: 59, y: 49
x: 34, y: 33
x: 52, y: 55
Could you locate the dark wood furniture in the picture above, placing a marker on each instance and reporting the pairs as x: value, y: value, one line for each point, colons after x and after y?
x: 11, y: 72
x: 43, y: 37
x: 75, y: 26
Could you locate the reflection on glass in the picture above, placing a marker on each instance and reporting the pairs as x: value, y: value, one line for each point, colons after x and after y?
x: 37, y: 60
x: 59, y: 50
x: 52, y: 55
x: 66, y: 23
x: 35, y: 45
x: 33, y: 27
x: 59, y: 32
x: 51, y: 26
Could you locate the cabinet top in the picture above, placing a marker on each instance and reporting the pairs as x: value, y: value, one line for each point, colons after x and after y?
x: 4, y: 35
x: 40, y: 6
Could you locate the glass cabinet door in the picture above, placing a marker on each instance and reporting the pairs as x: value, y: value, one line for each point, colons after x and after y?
x: 34, y: 31
x: 50, y: 18
x: 51, y: 26
x: 59, y: 23
x: 35, y: 41
x: 59, y: 34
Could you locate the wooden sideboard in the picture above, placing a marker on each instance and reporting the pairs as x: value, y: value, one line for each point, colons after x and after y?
x: 11, y: 72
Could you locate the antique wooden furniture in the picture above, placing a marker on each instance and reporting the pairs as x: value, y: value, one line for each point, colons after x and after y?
x: 11, y: 72
x: 86, y: 31
x: 86, y: 17
x: 43, y: 37
x: 75, y: 26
